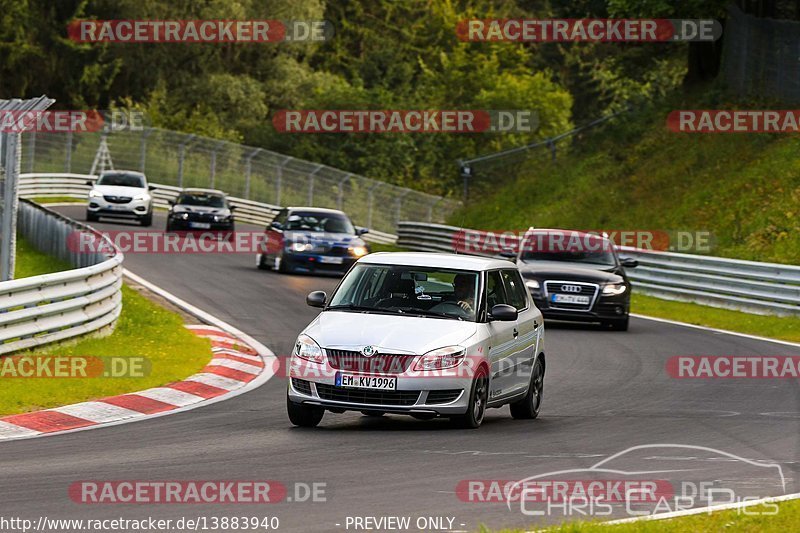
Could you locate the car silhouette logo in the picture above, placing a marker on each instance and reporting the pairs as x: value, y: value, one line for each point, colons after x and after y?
x: 368, y: 351
x: 571, y: 288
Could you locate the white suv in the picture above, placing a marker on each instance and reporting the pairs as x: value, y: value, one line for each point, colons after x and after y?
x: 421, y: 334
x: 120, y: 194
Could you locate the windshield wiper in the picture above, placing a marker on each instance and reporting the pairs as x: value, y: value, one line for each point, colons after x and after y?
x: 363, y: 308
x: 425, y: 312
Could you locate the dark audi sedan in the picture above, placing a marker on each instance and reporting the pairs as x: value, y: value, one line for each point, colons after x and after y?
x: 576, y: 276
x: 201, y: 210
x: 312, y: 239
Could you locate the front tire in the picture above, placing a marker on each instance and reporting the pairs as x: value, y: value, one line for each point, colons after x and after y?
x: 477, y: 403
x: 91, y: 217
x: 304, y: 416
x: 528, y: 407
x: 147, y: 220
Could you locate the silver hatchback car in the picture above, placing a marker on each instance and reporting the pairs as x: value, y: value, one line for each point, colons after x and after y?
x: 423, y: 334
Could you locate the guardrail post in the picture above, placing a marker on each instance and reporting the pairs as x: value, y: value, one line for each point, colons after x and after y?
x: 10, y: 154
x: 552, y: 146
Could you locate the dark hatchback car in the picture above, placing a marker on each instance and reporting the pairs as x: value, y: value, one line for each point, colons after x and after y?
x: 201, y: 210
x: 576, y: 276
x: 311, y: 239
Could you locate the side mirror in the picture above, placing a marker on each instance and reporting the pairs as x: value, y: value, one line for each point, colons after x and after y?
x: 362, y: 231
x: 90, y: 182
x: 151, y: 187
x: 232, y: 208
x: 316, y: 299
x: 276, y: 225
x: 508, y: 253
x: 627, y: 262
x: 171, y: 202
x: 504, y: 313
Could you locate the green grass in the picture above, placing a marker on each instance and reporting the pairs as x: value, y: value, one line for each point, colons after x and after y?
x: 636, y: 174
x: 774, y: 327
x: 144, y: 329
x: 786, y: 519
x: 57, y: 199
x: 377, y: 247
x: 32, y: 262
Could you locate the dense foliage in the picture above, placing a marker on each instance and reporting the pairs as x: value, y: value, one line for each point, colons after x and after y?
x: 385, y: 55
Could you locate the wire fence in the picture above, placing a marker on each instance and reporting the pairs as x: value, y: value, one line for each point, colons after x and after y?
x: 760, y: 56
x: 256, y: 174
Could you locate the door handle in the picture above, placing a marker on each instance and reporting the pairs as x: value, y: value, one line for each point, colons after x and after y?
x: 516, y: 333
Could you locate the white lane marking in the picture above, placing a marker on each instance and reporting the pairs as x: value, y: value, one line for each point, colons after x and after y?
x: 235, y: 365
x: 715, y: 330
x: 97, y: 412
x: 170, y: 396
x: 9, y: 431
x: 214, y: 380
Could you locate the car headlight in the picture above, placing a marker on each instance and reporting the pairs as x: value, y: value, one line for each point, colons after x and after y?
x: 182, y: 215
x: 532, y: 284
x: 614, y: 289
x: 441, y: 358
x: 141, y: 198
x: 95, y: 194
x: 358, y: 251
x: 221, y: 218
x: 306, y: 348
x: 301, y: 246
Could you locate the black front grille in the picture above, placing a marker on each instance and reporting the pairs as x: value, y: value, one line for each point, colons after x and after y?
x: 443, y: 396
x: 338, y: 251
x: 118, y: 199
x: 200, y: 217
x: 557, y: 287
x: 377, y: 364
x: 301, y: 385
x: 369, y: 397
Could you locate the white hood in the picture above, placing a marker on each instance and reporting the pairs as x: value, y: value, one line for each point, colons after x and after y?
x: 118, y: 190
x: 387, y: 333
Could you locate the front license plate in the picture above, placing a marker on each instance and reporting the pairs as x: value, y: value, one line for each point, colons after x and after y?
x: 117, y: 208
x: 331, y: 260
x: 199, y: 225
x: 569, y: 299
x: 355, y: 381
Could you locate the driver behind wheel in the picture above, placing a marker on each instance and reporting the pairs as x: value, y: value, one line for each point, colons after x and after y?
x: 464, y: 291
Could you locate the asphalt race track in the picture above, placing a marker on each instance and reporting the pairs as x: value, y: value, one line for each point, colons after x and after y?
x: 604, y: 393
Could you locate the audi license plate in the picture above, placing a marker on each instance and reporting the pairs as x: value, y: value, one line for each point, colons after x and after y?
x: 199, y: 225
x: 331, y: 260
x: 569, y: 299
x: 355, y: 381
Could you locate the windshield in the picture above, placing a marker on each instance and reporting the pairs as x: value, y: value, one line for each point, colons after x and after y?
x: 568, y: 247
x: 319, y: 222
x: 201, y: 199
x: 409, y: 290
x: 122, y: 179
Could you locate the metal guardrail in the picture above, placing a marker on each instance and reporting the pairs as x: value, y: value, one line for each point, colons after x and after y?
x: 754, y: 287
x: 43, y: 309
x: 45, y: 185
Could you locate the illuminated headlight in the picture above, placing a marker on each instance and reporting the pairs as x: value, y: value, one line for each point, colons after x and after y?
x: 95, y: 194
x: 181, y: 215
x: 358, y: 251
x: 306, y: 348
x: 532, y: 284
x: 614, y: 290
x: 221, y: 218
x: 301, y: 247
x: 441, y: 358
